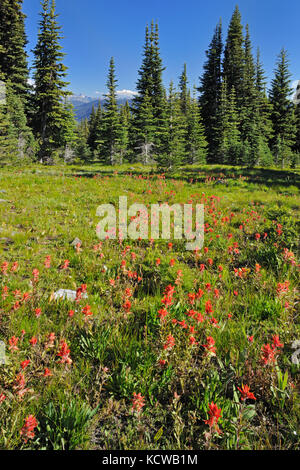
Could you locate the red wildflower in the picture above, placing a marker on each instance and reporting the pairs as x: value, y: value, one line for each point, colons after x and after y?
x: 2, y: 397
x: 65, y: 265
x: 210, y: 342
x: 170, y: 342
x: 27, y: 430
x: 138, y: 401
x: 127, y: 306
x: 35, y: 274
x: 268, y: 354
x: 64, y: 353
x: 214, y: 416
x: 245, y: 391
x: 162, y: 313
x: 87, y: 311
x: 33, y: 341
x: 13, y: 341
x: 38, y: 312
x: 47, y: 372
x: 24, y: 364
x: 276, y: 342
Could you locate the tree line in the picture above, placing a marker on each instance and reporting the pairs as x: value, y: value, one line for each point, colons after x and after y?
x: 229, y: 118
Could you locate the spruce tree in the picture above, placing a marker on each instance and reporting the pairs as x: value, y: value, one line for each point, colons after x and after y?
x: 234, y: 56
x: 195, y: 141
x: 142, y: 131
x: 150, y: 84
x: 123, y: 139
x: 283, y: 118
x: 8, y: 140
x: 13, y: 57
x: 173, y: 142
x: 184, y: 92
x: 82, y: 150
x: 50, y: 88
x: 95, y: 127
x: 108, y: 145
x: 229, y: 147
x: 210, y: 89
x: 297, y: 119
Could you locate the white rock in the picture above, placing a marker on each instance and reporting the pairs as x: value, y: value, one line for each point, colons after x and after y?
x: 67, y: 294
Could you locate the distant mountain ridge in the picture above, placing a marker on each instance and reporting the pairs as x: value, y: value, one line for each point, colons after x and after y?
x: 83, y: 105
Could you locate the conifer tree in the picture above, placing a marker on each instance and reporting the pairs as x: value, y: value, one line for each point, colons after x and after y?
x: 283, y: 118
x: 297, y: 119
x: 50, y: 88
x: 234, y: 56
x: 173, y: 142
x: 142, y: 131
x: 8, y: 140
x: 13, y: 57
x: 195, y: 141
x: 123, y: 139
x: 150, y: 84
x: 95, y: 127
x: 110, y: 121
x: 210, y: 88
x: 82, y: 150
x: 229, y: 148
x: 184, y: 92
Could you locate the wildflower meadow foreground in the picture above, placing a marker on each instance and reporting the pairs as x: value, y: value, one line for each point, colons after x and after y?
x: 142, y: 344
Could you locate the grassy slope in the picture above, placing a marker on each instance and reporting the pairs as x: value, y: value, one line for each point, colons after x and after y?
x: 46, y: 209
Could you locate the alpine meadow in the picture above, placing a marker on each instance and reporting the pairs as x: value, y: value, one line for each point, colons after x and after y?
x: 117, y: 333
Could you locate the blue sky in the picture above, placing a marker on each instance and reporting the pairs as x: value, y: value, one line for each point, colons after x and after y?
x: 95, y: 30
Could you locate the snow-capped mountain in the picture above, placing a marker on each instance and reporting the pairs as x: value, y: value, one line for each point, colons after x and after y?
x: 83, y: 104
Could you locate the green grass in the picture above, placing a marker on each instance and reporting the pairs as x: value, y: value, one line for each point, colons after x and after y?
x: 88, y: 403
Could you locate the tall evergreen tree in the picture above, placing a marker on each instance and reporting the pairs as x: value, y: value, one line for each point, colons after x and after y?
x: 184, y: 91
x: 283, y: 118
x: 13, y: 57
x: 297, y: 119
x: 234, y: 56
x: 173, y: 142
x: 111, y: 125
x: 195, y: 141
x: 82, y: 150
x: 150, y: 84
x: 142, y: 131
x: 123, y: 139
x: 229, y: 148
x: 210, y: 88
x: 95, y: 127
x: 50, y: 88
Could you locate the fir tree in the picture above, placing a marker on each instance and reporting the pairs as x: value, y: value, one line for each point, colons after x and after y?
x: 184, y: 92
x: 8, y: 140
x: 210, y: 88
x: 173, y: 142
x: 50, y: 88
x: 297, y: 120
x: 150, y: 84
x: 13, y: 57
x: 195, y: 141
x: 234, y: 56
x: 142, y: 131
x: 229, y: 148
x: 283, y: 118
x: 95, y: 127
x: 111, y: 125
x: 82, y: 150
x: 123, y: 139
